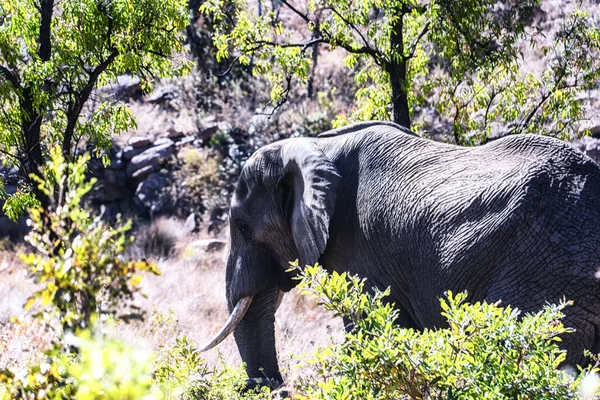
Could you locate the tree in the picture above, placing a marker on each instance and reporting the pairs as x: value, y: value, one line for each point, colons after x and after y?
x: 462, y: 58
x: 53, y: 54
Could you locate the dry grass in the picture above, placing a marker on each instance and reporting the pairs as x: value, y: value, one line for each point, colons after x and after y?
x: 21, y: 337
x: 187, y: 299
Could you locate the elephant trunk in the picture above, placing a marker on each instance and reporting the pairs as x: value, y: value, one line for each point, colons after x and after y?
x: 255, y: 338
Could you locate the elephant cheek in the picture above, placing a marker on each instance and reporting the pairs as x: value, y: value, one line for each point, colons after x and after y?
x: 286, y: 280
x: 246, y: 276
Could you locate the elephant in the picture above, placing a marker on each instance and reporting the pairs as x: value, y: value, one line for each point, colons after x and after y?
x: 516, y: 220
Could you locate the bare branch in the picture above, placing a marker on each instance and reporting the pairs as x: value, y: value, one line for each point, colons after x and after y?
x: 413, y: 46
x: 297, y: 12
x: 281, y: 101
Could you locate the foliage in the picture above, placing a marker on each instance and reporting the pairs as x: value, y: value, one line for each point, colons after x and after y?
x: 201, y: 179
x: 488, y: 352
x: 46, y: 379
x: 101, y: 369
x: 549, y: 103
x: 460, y: 59
x: 108, y: 369
x: 54, y: 54
x: 182, y: 374
x: 79, y: 259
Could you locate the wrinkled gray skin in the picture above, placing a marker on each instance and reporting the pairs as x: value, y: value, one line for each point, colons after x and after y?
x: 517, y: 219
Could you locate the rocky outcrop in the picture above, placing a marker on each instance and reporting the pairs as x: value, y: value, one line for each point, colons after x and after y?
x: 590, y: 145
x: 139, y: 179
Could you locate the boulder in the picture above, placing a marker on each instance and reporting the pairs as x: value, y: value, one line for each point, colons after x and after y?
x: 129, y: 152
x: 147, y: 194
x: 151, y: 157
x: 174, y: 133
x: 143, y: 173
x: 105, y: 192
x: 185, y: 140
x: 138, y: 142
x: 115, y: 177
x: 589, y: 146
x: 163, y: 140
x: 127, y: 87
x: 207, y: 245
x: 190, y: 222
x: 162, y: 95
x: 116, y: 164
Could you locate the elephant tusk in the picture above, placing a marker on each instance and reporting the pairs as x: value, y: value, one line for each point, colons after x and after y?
x: 279, y: 299
x: 234, y: 319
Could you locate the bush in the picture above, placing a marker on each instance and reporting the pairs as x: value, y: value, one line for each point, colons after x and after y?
x: 160, y: 238
x: 488, y: 352
x: 100, y: 369
x: 182, y: 374
x: 79, y: 259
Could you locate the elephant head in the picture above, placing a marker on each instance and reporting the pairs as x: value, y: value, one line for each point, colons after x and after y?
x: 280, y: 212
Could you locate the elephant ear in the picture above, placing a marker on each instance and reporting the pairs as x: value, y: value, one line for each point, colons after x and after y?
x: 312, y: 183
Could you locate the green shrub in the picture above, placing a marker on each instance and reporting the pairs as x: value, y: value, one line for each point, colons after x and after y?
x: 99, y: 369
x: 79, y: 258
x: 182, y: 374
x: 488, y: 352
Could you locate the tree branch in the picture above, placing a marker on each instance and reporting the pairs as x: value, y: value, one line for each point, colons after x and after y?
x: 82, y: 98
x: 413, y: 46
x: 297, y: 12
x: 366, y: 43
x: 9, y: 76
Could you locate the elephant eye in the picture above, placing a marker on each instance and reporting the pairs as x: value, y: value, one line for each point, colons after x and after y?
x: 245, y: 230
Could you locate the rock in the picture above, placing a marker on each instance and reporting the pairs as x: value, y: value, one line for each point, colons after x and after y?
x: 129, y: 152
x: 151, y: 157
x: 162, y: 140
x: 185, y: 140
x: 15, y: 231
x: 128, y: 87
x: 208, y: 245
x: 147, y: 194
x: 143, y: 173
x: 208, y: 132
x: 162, y: 95
x: 174, y: 133
x: 589, y: 146
x: 115, y: 177
x: 105, y: 192
x: 190, y: 223
x: 138, y: 142
x: 208, y: 127
x: 116, y: 164
x: 258, y: 122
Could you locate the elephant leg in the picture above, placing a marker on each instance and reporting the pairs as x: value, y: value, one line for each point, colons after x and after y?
x: 255, y: 338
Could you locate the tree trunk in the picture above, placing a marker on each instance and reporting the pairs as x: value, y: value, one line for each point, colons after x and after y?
x: 31, y: 125
x: 396, y: 68
x: 311, y: 79
x: 315, y: 58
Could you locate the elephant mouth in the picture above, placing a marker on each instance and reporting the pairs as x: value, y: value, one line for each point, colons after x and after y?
x: 236, y: 316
